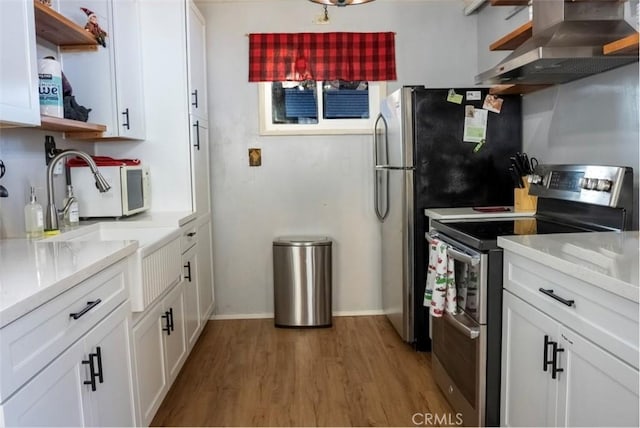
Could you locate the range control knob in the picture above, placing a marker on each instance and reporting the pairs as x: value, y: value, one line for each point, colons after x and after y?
x: 604, y: 185
x: 588, y: 183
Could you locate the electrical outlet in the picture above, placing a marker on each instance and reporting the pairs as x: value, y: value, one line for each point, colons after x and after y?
x: 255, y: 157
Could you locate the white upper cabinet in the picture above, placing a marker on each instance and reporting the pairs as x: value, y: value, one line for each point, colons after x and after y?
x: 197, y: 54
x: 109, y: 81
x: 19, y: 102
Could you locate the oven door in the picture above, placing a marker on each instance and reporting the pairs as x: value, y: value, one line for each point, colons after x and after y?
x: 460, y: 340
x: 459, y: 364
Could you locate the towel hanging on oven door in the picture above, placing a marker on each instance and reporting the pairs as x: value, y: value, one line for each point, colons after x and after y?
x: 440, y: 293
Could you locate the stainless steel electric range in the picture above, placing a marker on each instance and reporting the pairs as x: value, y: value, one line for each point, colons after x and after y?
x: 467, y: 345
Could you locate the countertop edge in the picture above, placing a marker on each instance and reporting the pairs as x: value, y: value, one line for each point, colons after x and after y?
x: 605, y: 282
x: 23, y: 307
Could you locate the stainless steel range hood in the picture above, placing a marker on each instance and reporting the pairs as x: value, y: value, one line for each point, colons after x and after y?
x: 566, y: 44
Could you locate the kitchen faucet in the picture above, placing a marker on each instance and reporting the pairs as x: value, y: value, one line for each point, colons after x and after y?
x: 51, y: 220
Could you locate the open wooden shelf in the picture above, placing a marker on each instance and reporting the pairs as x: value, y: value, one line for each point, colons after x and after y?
x: 625, y: 46
x: 515, y: 89
x: 61, y: 31
x: 513, y: 39
x: 72, y: 128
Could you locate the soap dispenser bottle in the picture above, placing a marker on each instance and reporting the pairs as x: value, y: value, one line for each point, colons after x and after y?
x: 71, y: 213
x: 33, y: 216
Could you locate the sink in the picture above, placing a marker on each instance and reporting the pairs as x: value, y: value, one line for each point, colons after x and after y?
x: 154, y: 267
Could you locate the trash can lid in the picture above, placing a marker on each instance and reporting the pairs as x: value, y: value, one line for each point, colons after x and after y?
x: 302, y: 241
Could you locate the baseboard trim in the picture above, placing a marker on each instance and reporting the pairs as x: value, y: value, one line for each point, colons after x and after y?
x: 270, y: 315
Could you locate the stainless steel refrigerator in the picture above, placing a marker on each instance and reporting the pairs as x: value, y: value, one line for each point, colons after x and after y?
x: 421, y: 161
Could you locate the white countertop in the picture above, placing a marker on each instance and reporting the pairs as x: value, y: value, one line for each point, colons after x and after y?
x: 33, y: 272
x: 608, y: 260
x: 469, y: 212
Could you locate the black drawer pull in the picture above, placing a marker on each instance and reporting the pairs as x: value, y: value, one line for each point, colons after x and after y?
x: 98, y: 356
x: 556, y: 297
x: 191, y: 234
x: 197, y: 126
x: 188, y: 275
x: 545, y: 356
x: 92, y: 373
x: 167, y: 327
x: 171, y: 319
x: 90, y: 305
x: 194, y: 94
x: 126, y: 121
x: 554, y: 365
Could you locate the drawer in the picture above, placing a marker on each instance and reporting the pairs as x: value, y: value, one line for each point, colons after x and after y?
x: 31, y: 342
x: 606, y: 319
x: 189, y: 238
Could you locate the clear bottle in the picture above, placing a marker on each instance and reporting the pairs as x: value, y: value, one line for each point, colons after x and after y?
x: 71, y: 214
x: 33, y: 216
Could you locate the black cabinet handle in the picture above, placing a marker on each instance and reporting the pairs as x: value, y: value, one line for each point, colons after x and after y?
x: 90, y: 305
x: 191, y: 234
x: 197, y: 126
x: 92, y: 373
x: 556, y: 297
x: 98, y: 356
x: 194, y: 94
x: 554, y: 366
x: 126, y: 118
x: 545, y: 357
x: 171, y: 319
x: 167, y: 326
x: 188, y: 275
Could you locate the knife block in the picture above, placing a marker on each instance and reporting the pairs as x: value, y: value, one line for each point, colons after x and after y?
x: 522, y: 201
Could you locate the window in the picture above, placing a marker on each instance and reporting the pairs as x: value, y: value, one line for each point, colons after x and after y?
x: 310, y: 107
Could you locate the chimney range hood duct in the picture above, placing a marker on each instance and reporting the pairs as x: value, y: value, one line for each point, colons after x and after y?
x: 566, y: 44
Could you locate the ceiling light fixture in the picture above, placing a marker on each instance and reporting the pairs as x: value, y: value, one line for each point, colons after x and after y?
x: 340, y: 2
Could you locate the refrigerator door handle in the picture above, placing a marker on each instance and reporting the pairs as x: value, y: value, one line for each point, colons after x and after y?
x: 376, y: 188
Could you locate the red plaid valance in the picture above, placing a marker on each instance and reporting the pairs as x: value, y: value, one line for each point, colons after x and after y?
x: 276, y: 57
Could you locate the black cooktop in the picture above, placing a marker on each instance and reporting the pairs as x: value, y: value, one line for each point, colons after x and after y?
x: 483, y: 234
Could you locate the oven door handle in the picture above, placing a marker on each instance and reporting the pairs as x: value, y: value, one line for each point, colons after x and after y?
x: 470, y: 332
x: 463, y: 257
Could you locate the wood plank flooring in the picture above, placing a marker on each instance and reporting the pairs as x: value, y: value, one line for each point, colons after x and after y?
x: 249, y: 373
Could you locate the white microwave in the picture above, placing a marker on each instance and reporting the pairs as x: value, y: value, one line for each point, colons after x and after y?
x: 130, y: 191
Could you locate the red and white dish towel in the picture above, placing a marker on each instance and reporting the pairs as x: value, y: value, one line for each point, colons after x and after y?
x: 440, y: 292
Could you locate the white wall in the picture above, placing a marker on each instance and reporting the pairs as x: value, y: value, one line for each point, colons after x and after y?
x: 320, y: 185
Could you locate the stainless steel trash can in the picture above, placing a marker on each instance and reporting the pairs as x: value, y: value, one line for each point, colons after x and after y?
x: 302, y: 281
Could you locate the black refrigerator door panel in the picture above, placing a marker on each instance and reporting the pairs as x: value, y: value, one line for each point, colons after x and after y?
x: 450, y: 174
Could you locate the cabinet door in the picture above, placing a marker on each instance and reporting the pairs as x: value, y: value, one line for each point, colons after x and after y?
x: 55, y: 397
x: 175, y: 344
x: 19, y: 100
x: 148, y: 351
x: 200, y: 167
x: 191, y: 305
x: 205, y: 271
x: 197, y: 63
x: 110, y: 343
x: 109, y: 81
x: 528, y: 394
x: 128, y: 66
x: 596, y: 388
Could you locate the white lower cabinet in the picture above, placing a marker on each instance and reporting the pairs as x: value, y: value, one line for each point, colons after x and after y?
x: 89, y: 384
x: 553, y: 376
x: 206, y: 297
x: 191, y: 303
x: 159, y: 351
